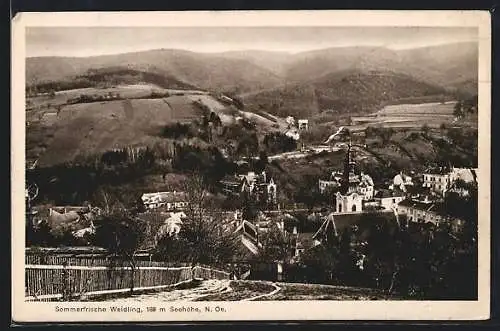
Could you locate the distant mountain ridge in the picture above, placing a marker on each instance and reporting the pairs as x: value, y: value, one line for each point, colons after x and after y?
x: 203, y: 70
x: 454, y: 62
x: 311, y: 81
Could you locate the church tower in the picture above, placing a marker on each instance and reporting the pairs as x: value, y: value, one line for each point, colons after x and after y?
x: 349, y: 168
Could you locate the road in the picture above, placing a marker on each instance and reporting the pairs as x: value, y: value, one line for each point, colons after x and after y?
x: 312, y: 150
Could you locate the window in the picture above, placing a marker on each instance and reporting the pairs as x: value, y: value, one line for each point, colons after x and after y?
x: 353, y: 207
x: 340, y: 208
x: 393, y: 200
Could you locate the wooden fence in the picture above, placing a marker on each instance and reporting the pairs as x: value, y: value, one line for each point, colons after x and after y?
x: 50, y: 278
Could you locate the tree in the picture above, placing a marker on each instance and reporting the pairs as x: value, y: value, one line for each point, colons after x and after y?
x: 277, y: 245
x: 458, y: 110
x: 262, y: 162
x: 205, y: 237
x: 122, y: 235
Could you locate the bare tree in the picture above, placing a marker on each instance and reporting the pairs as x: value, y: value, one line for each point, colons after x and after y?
x: 206, y: 235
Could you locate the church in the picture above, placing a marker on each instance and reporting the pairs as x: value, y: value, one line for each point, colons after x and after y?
x: 355, y: 187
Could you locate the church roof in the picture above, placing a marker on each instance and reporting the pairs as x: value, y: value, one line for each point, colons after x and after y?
x: 388, y: 193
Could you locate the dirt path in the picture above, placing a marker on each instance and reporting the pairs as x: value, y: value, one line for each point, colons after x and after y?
x: 259, y: 297
x: 182, y: 295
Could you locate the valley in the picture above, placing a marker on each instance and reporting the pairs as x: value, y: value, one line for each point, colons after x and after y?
x: 163, y: 98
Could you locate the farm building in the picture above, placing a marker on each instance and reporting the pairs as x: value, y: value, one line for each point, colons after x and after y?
x: 171, y: 200
x: 387, y: 199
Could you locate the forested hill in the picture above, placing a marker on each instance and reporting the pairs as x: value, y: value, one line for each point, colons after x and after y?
x: 250, y: 71
x: 203, y: 70
x: 350, y: 91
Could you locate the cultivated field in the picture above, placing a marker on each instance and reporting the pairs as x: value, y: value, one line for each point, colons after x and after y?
x: 409, y: 115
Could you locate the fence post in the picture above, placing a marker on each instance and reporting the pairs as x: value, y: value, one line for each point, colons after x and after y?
x: 65, y: 281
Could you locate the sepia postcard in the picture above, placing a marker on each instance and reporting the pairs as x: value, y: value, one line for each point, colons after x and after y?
x: 246, y: 165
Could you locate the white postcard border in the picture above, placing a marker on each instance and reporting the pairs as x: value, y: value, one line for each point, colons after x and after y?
x: 282, y: 310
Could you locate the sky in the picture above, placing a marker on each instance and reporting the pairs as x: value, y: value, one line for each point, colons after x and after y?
x: 90, y: 41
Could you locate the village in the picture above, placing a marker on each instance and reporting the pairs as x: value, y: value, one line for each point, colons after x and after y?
x: 406, y: 199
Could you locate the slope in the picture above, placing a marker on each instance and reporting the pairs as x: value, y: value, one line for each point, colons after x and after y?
x: 442, y: 65
x: 203, y: 70
x: 350, y: 91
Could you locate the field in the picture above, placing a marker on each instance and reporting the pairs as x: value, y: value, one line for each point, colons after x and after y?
x: 58, y: 131
x: 56, y: 136
x: 133, y: 91
x: 409, y: 116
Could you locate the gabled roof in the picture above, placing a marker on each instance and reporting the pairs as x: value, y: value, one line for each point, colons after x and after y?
x: 231, y: 180
x: 465, y: 174
x: 248, y: 229
x: 388, y: 194
x: 328, y: 225
x: 431, y: 207
x: 164, y: 197
x: 305, y: 240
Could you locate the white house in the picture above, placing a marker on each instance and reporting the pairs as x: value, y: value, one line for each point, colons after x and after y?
x: 389, y: 199
x: 401, y: 182
x: 421, y: 211
x: 441, y: 180
x: 170, y: 200
x: 303, y: 125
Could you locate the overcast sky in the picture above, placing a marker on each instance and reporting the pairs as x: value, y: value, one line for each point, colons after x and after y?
x: 90, y: 41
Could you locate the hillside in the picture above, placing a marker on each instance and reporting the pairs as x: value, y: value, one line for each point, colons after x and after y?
x: 273, y: 61
x: 246, y: 71
x: 203, y: 70
x: 65, y: 126
x: 97, y: 103
x: 112, y: 76
x: 351, y: 91
x: 443, y: 65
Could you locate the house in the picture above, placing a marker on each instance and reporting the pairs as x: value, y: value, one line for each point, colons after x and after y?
x: 437, y: 180
x: 303, y: 125
x: 360, y: 183
x: 293, y: 133
x: 401, y: 182
x: 333, y: 182
x: 257, y: 186
x: 232, y: 185
x: 388, y: 199
x: 422, y: 211
x: 170, y: 200
x: 441, y: 180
